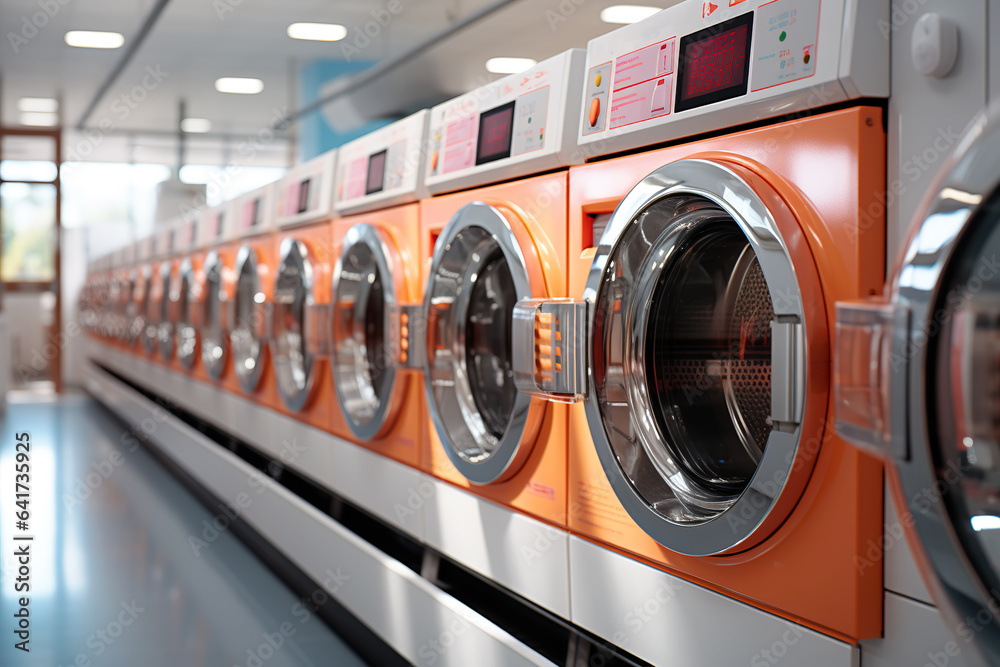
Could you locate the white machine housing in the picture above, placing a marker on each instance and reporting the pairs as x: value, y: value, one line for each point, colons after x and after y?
x: 758, y: 59
x: 531, y: 120
x: 305, y: 193
x: 383, y: 168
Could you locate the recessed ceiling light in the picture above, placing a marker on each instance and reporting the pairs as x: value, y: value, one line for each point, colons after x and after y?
x: 39, y: 118
x: 317, y: 32
x: 509, y: 65
x: 627, y: 13
x: 88, y: 39
x: 39, y: 104
x: 238, y: 85
x: 196, y: 125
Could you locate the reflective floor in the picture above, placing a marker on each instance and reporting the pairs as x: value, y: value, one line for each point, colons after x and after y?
x: 124, y: 569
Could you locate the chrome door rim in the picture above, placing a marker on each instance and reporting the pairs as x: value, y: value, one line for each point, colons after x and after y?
x: 295, y: 258
x: 242, y: 338
x: 367, y: 412
x: 187, y: 336
x: 459, y: 405
x: 213, y: 336
x: 725, y: 189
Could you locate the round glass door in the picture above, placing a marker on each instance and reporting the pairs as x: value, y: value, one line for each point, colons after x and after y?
x: 213, y: 335
x: 152, y: 314
x: 245, y: 341
x: 293, y: 295
x: 697, y: 323
x: 478, y: 274
x: 139, y: 305
x: 366, y: 331
x: 187, y: 335
x: 165, y: 328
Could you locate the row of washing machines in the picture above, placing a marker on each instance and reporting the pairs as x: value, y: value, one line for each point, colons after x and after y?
x: 594, y: 294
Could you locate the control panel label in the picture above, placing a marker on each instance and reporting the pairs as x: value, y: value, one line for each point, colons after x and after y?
x: 643, y: 84
x: 595, y: 108
x: 785, y: 36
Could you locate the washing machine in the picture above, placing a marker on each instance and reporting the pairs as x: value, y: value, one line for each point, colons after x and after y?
x: 917, y: 385
x: 493, y: 246
x: 375, y: 345
x: 158, y: 331
x: 302, y: 291
x: 185, y: 233
x: 141, y: 288
x: 250, y: 298
x: 211, y: 292
x: 122, y: 294
x: 696, y: 349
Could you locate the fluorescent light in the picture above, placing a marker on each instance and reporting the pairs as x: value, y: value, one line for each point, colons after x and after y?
x: 239, y: 86
x: 317, y: 32
x: 982, y: 522
x: 196, y: 125
x: 627, y: 13
x: 509, y: 65
x: 39, y: 104
x: 39, y: 119
x: 88, y: 39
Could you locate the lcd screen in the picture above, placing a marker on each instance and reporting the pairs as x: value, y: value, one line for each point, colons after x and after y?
x: 714, y: 63
x: 496, y: 128
x: 376, y: 173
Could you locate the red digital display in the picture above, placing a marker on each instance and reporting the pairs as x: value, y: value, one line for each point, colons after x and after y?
x: 495, y: 131
x: 714, y: 64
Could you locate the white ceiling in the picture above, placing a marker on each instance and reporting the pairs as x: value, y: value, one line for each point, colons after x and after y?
x: 194, y: 43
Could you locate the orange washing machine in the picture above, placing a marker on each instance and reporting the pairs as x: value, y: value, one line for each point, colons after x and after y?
x: 122, y: 295
x: 697, y: 347
x: 142, y: 283
x: 302, y: 291
x: 185, y: 235
x: 210, y: 294
x: 491, y: 247
x: 376, y: 290
x: 189, y: 291
x: 157, y: 329
x: 250, y: 295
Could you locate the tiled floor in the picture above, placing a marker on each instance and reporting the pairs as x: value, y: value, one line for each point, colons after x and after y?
x: 118, y: 576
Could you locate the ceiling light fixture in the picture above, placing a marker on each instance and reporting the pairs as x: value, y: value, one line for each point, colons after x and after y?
x: 38, y: 104
x: 317, y: 32
x: 238, y: 85
x: 196, y: 125
x: 39, y: 119
x: 89, y: 39
x: 509, y: 65
x: 624, y: 14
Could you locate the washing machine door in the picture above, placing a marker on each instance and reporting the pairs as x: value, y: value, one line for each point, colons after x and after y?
x: 153, y: 311
x: 165, y: 326
x: 295, y: 316
x: 187, y: 333
x: 479, y: 272
x: 918, y: 382
x: 212, y: 331
x: 368, y: 356
x: 700, y: 323
x: 139, y: 305
x: 249, y: 322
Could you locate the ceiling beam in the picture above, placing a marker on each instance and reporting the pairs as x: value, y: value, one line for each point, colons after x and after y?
x: 130, y: 50
x: 362, y: 79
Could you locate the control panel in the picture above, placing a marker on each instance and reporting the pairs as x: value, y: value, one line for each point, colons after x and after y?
x: 211, y: 226
x: 706, y: 66
x: 144, y: 248
x: 383, y: 168
x: 163, y: 238
x: 519, y: 125
x: 251, y: 214
x: 305, y: 194
x: 185, y: 234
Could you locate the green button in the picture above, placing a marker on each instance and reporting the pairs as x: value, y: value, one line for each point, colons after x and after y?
x: 782, y: 36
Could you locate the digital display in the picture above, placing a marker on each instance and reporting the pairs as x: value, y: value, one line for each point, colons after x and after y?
x: 376, y: 173
x: 496, y: 128
x: 219, y: 219
x: 303, y: 196
x: 254, y: 207
x: 714, y: 63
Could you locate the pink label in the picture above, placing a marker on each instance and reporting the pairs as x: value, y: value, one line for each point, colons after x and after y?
x: 651, y: 62
x: 640, y: 102
x: 459, y: 144
x: 291, y: 203
x: 354, y: 179
x: 187, y: 235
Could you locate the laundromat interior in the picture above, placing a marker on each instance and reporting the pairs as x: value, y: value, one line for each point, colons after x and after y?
x: 490, y: 333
